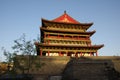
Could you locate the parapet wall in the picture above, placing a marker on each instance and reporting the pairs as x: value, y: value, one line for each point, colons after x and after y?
x: 92, y: 68
x: 114, y: 59
x: 44, y: 65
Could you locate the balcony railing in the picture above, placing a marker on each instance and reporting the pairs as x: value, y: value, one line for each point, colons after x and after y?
x: 66, y: 38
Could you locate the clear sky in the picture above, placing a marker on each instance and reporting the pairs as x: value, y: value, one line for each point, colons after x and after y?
x: 24, y: 16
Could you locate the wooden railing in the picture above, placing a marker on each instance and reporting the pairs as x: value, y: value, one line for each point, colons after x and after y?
x: 71, y: 38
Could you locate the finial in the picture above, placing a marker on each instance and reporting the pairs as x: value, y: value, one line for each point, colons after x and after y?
x: 65, y: 12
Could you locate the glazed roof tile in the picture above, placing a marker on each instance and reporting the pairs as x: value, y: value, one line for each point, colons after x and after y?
x: 77, y: 46
x: 66, y: 19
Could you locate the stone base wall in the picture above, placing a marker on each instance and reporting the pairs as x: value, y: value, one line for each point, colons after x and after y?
x: 56, y: 67
x: 44, y: 65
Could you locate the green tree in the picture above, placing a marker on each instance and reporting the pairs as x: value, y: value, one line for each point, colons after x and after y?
x: 23, y: 46
x: 9, y: 57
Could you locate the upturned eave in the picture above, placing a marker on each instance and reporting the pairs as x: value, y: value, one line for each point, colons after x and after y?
x: 74, y: 46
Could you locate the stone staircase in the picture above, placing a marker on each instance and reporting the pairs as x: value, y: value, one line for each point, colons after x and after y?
x: 88, y: 69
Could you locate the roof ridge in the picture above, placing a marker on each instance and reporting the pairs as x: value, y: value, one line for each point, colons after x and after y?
x: 65, y: 18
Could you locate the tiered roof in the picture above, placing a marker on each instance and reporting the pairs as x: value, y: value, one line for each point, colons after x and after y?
x: 67, y: 22
x: 64, y: 31
x: 75, y: 46
x: 65, y: 18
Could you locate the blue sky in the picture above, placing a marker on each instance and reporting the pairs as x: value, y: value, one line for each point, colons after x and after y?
x: 24, y: 16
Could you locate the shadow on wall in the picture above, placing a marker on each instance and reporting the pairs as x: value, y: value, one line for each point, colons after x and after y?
x: 84, y: 68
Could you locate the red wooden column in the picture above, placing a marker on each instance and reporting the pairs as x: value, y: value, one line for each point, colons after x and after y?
x: 58, y: 36
x: 78, y: 37
x: 64, y: 36
x: 96, y: 53
x: 80, y: 53
x: 48, y: 53
x: 72, y: 37
x: 76, y: 54
x: 66, y: 53
x: 48, y: 41
x: 48, y: 35
x: 40, y: 52
x: 44, y: 35
x: 90, y: 54
x: 59, y: 53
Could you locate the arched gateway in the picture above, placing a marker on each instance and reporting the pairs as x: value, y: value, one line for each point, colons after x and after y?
x: 64, y: 36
